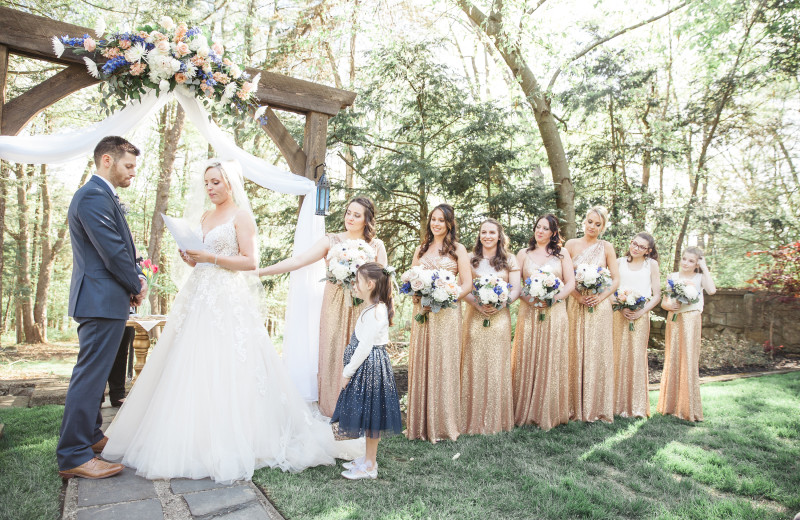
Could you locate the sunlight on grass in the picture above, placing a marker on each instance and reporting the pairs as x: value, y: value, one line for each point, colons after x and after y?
x: 609, y: 443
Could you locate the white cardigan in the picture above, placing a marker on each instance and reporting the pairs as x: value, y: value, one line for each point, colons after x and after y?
x: 372, y: 328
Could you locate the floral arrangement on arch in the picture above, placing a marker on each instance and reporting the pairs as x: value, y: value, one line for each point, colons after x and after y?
x: 161, y: 57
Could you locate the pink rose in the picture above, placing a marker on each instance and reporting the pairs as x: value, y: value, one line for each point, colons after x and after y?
x: 218, y: 49
x: 163, y: 46
x: 180, y: 77
x: 182, y: 48
x: 417, y: 285
x: 89, y: 44
x: 137, y: 68
x: 247, y: 87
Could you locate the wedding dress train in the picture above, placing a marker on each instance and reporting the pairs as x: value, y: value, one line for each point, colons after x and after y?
x: 214, y: 398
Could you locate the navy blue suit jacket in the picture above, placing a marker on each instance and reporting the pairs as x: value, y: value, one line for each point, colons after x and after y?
x: 104, y: 270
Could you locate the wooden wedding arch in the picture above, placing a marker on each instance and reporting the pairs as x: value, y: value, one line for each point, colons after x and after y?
x: 29, y: 35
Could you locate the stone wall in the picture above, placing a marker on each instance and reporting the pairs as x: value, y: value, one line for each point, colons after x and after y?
x: 746, y: 314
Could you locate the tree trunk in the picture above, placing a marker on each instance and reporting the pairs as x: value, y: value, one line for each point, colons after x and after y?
x: 169, y: 148
x: 25, y: 327
x: 3, y: 195
x: 492, y: 26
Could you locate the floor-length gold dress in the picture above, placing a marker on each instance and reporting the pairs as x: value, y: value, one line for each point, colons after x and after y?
x: 631, y: 398
x: 539, y: 367
x: 679, y: 393
x: 486, y: 401
x: 591, y: 352
x: 434, y: 362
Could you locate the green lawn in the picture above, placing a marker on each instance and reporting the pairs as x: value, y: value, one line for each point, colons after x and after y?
x: 743, y: 461
x: 29, y: 481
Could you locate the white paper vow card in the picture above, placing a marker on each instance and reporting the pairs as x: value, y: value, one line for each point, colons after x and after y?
x: 186, y: 239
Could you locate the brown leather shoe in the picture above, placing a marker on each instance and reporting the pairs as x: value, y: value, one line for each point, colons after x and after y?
x: 94, y: 468
x: 98, y: 446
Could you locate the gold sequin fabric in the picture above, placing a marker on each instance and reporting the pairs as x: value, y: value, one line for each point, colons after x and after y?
x: 631, y: 398
x: 337, y: 323
x: 591, y: 361
x: 486, y: 401
x: 539, y: 361
x: 434, y: 375
x: 680, y: 382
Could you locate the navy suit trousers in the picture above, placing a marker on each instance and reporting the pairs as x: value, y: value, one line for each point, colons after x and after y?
x: 99, y: 342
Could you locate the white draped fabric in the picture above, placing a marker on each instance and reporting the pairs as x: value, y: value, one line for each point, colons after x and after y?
x: 301, y: 337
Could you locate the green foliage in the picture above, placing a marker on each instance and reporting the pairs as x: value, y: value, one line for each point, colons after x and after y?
x: 421, y: 139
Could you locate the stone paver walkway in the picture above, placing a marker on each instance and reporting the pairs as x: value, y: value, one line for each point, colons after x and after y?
x: 129, y: 497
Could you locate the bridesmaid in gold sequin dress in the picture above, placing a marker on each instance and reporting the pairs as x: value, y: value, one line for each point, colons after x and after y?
x: 679, y: 394
x: 486, y: 402
x: 540, y: 369
x: 639, y: 271
x: 434, y: 352
x: 337, y: 319
x: 591, y: 342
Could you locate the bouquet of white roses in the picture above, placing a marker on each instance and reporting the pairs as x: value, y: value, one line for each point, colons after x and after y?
x: 543, y: 286
x: 344, y: 259
x: 592, y: 279
x: 437, y: 289
x: 628, y: 299
x: 682, y: 290
x: 490, y: 290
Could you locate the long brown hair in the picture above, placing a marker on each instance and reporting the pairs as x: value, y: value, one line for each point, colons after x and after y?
x: 554, y: 245
x: 696, y: 251
x: 500, y: 260
x: 369, y: 216
x: 651, y: 245
x: 450, y: 238
x: 383, y: 284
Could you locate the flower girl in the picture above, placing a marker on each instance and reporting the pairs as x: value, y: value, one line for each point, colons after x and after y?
x: 368, y: 403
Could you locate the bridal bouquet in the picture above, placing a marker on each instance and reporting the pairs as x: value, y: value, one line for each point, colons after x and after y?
x: 344, y: 260
x: 628, y: 299
x: 490, y: 290
x: 683, y: 291
x: 592, y: 279
x: 543, y: 286
x: 437, y: 289
x: 162, y: 56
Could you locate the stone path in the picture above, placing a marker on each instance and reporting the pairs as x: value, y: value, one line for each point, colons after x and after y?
x: 130, y: 497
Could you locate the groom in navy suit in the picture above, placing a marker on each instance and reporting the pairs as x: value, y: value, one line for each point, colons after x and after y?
x: 105, y: 282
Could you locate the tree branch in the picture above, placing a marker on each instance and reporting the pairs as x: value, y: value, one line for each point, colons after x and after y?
x: 601, y: 41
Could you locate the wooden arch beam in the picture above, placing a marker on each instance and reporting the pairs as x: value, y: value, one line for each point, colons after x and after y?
x: 20, y: 110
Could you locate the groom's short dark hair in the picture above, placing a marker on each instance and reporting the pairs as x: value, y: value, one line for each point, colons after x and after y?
x: 115, y: 146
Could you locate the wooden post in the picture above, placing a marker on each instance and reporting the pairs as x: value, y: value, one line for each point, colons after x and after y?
x: 3, y: 77
x: 315, y: 142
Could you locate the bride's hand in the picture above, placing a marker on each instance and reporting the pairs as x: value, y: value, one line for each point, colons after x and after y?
x: 185, y: 259
x: 198, y: 256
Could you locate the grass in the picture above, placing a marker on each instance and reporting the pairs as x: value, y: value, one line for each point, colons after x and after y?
x: 743, y: 461
x: 28, y: 470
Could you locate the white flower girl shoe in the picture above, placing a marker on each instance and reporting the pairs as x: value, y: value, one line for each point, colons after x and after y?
x: 360, y: 471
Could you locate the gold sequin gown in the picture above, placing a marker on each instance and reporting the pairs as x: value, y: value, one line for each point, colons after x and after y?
x: 631, y: 398
x: 434, y: 362
x: 540, y: 369
x: 486, y: 401
x: 591, y: 352
x: 337, y: 323
x: 680, y: 382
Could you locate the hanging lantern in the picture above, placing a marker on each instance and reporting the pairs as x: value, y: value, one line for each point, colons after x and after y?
x: 323, y: 192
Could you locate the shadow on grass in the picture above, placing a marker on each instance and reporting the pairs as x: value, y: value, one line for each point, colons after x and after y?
x: 741, y: 462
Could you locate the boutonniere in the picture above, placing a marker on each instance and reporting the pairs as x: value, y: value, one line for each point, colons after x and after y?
x: 124, y: 208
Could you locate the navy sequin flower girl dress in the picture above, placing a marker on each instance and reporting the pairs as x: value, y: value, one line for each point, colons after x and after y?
x: 368, y: 405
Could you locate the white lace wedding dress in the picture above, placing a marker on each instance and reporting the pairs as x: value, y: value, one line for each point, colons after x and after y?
x: 214, y: 398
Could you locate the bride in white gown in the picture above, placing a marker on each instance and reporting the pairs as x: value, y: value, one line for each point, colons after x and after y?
x: 214, y: 399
